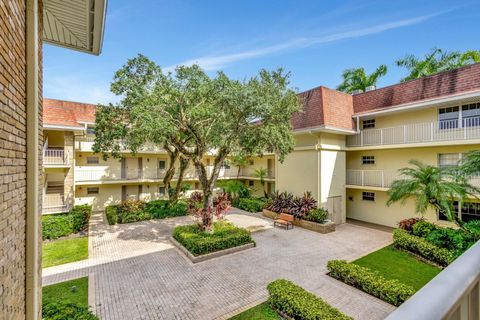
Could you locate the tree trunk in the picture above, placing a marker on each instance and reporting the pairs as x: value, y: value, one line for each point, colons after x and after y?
x: 183, y: 166
x: 167, y: 179
x: 207, y: 186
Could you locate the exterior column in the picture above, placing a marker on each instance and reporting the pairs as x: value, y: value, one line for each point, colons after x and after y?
x: 69, y: 156
x: 33, y: 254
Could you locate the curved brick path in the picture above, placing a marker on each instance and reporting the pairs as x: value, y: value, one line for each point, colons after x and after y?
x: 139, y: 275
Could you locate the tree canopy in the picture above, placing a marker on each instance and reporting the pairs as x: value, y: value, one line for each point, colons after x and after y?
x: 198, y: 115
x: 356, y: 79
x: 437, y: 60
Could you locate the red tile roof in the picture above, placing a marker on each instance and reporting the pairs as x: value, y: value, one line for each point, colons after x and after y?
x: 461, y: 80
x: 67, y: 113
x: 326, y: 107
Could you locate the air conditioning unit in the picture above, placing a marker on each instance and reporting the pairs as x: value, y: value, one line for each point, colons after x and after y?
x: 370, y: 88
x: 357, y: 91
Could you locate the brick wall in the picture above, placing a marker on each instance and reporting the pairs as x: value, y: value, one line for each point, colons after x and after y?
x: 442, y: 84
x: 13, y: 158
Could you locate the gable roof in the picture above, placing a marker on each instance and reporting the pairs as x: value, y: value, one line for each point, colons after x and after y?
x: 67, y: 113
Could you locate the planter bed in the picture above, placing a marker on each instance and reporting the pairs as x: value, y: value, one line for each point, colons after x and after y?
x: 326, y: 227
x: 200, y: 246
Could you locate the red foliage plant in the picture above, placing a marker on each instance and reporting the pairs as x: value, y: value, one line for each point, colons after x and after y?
x: 407, y: 224
x: 221, y: 205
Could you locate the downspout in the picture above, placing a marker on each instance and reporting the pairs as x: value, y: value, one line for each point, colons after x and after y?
x: 358, y: 124
x: 317, y: 149
x: 32, y: 247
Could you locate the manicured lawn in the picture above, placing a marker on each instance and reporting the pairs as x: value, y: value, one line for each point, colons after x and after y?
x: 260, y: 312
x: 394, y: 264
x: 73, y: 291
x: 64, y: 251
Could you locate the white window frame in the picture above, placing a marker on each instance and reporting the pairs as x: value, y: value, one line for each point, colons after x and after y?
x: 89, y: 158
x: 368, y: 196
x: 93, y: 190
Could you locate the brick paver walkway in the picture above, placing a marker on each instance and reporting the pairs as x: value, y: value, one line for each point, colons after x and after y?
x: 138, y: 274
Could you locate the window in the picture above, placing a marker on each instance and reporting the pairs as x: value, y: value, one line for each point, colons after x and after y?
x: 92, y: 190
x: 471, y: 115
x: 368, y: 196
x: 250, y: 183
x: 251, y: 162
x: 161, y: 191
x: 93, y: 160
x: 90, y: 130
x: 350, y: 198
x: 446, y: 160
x: 470, y: 211
x: 162, y: 164
x: 55, y: 187
x: 448, y: 117
x: 368, y: 160
x: 368, y: 124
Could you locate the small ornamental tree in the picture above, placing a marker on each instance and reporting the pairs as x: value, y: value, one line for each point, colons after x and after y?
x: 200, y: 115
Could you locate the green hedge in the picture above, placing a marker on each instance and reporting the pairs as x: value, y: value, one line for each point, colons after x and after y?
x: 158, y: 209
x: 55, y: 226
x: 297, y: 303
x: 389, y: 290
x: 62, y: 311
x: 422, y: 247
x: 225, y: 235
x: 251, y: 204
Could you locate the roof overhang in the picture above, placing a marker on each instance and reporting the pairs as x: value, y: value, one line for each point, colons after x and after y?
x: 75, y: 24
x: 462, y: 98
x: 323, y: 128
x: 62, y: 127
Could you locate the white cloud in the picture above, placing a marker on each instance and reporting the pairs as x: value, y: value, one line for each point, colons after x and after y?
x: 216, y: 62
x: 78, y: 89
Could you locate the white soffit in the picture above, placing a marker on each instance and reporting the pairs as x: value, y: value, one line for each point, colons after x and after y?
x: 75, y: 24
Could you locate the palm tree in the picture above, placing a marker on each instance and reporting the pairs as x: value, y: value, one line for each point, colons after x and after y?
x: 470, y: 165
x: 261, y: 173
x: 436, y: 61
x: 239, y: 161
x: 356, y: 79
x: 431, y: 187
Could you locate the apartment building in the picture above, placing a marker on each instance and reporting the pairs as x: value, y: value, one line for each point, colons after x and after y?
x: 75, y: 175
x: 24, y: 26
x: 348, y: 150
x: 349, y: 147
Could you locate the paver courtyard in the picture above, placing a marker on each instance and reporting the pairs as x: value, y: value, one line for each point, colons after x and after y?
x: 138, y: 274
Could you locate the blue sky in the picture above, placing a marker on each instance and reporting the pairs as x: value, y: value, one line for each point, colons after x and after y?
x: 315, y: 40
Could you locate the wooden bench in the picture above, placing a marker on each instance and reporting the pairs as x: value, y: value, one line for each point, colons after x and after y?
x: 284, y: 220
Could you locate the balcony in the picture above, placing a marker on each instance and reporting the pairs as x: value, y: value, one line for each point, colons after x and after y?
x: 56, y: 158
x: 86, y: 143
x: 381, y: 178
x: 453, y: 294
x: 54, y: 203
x: 429, y: 132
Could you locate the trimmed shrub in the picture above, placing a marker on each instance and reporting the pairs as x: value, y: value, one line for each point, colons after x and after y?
x: 59, y: 225
x: 62, y: 311
x: 251, y: 204
x: 423, y: 228
x: 112, y: 214
x: 317, y: 215
x: 422, y: 247
x: 371, y: 282
x: 297, y: 303
x: 160, y: 209
x: 133, y: 211
x: 224, y: 236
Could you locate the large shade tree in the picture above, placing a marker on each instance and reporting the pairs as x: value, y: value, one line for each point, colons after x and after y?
x: 431, y: 188
x: 437, y: 60
x: 357, y: 79
x: 200, y: 115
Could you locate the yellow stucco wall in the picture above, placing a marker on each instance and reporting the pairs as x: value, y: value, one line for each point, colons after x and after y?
x: 298, y: 173
x: 398, y: 119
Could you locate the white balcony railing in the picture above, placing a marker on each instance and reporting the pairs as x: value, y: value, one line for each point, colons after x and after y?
x: 447, y: 130
x: 383, y: 178
x: 86, y: 144
x: 453, y: 294
x: 54, y: 203
x: 56, y: 157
